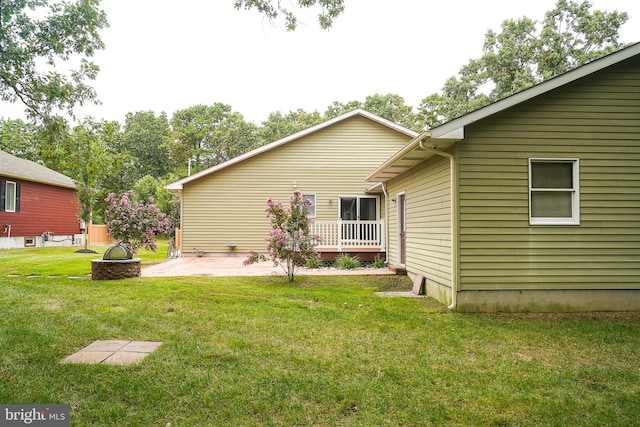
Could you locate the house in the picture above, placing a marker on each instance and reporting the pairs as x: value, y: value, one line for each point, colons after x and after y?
x: 531, y: 203
x: 223, y: 207
x: 38, y: 206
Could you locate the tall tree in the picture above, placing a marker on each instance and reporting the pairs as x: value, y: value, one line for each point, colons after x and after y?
x: 389, y: 106
x: 91, y: 159
x: 204, y: 136
x: 278, y: 125
x: 149, y: 188
x: 338, y: 108
x: 392, y: 108
x: 524, y: 54
x: 36, y: 37
x: 329, y: 10
x: 145, y: 137
x: 19, y: 138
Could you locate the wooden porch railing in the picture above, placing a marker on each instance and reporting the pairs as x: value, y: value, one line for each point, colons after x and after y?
x: 350, y: 234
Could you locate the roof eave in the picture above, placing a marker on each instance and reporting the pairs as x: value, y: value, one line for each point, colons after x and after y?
x: 412, y: 145
x: 39, y: 181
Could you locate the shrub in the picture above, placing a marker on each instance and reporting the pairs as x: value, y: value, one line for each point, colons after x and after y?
x: 314, y: 263
x: 346, y: 262
x: 379, y: 262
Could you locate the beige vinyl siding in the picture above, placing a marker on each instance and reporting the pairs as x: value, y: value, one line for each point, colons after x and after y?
x: 428, y: 199
x: 228, y: 206
x: 595, y: 120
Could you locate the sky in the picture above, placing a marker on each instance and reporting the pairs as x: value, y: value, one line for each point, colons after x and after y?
x: 164, y: 55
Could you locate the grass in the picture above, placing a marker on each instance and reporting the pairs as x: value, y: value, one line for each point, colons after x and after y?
x: 322, y: 351
x: 63, y: 261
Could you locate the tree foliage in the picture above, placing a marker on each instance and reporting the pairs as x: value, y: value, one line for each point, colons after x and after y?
x: 278, y: 125
x: 208, y: 135
x: 390, y: 106
x: 145, y: 137
x: 19, y: 138
x: 149, y: 187
x: 90, y: 159
x: 36, y: 38
x: 272, y: 9
x: 524, y: 53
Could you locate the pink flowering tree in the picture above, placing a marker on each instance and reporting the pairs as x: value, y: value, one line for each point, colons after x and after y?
x: 290, y: 242
x: 134, y: 223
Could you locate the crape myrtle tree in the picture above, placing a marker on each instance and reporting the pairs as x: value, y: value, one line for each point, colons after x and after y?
x: 148, y: 188
x: 134, y: 223
x: 290, y: 242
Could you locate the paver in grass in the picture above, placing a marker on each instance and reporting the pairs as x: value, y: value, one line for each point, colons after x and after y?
x: 405, y: 294
x: 113, y: 352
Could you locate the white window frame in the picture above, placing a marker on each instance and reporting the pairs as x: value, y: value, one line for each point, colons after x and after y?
x: 7, y: 200
x: 376, y: 198
x: 574, y: 191
x: 312, y: 208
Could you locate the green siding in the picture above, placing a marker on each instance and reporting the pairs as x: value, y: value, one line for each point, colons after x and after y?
x: 595, y: 119
x: 228, y: 206
x: 428, y: 200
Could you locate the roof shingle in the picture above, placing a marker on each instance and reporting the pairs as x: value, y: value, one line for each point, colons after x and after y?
x: 15, y: 167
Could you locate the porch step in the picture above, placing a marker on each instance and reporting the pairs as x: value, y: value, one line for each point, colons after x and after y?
x: 399, y: 270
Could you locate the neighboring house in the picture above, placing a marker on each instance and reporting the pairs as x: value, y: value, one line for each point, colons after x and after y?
x: 223, y: 207
x: 38, y: 206
x: 531, y: 203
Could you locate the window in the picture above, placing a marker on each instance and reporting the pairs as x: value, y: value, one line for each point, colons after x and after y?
x: 358, y: 208
x: 9, y: 196
x: 554, y: 196
x: 312, y: 207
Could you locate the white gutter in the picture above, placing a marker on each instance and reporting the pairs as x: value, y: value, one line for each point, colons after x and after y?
x: 386, y: 216
x: 386, y: 223
x: 454, y: 228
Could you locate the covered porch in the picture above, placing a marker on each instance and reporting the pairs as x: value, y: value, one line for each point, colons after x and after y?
x: 365, y: 239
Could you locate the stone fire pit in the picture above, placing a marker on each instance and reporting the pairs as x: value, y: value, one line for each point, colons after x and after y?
x: 110, y: 269
x: 117, y: 263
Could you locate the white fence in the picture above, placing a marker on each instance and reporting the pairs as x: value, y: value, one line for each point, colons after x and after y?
x: 350, y: 234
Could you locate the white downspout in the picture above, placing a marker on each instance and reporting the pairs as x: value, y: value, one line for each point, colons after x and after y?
x: 386, y: 223
x: 454, y: 216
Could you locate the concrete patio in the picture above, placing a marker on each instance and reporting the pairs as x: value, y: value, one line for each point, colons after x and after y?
x: 232, y: 266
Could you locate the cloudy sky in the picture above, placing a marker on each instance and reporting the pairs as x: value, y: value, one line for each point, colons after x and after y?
x: 166, y: 55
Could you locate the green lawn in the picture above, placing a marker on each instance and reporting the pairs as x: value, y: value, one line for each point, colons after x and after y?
x: 322, y: 351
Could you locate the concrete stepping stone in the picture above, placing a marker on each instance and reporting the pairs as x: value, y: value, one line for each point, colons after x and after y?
x: 113, y: 352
